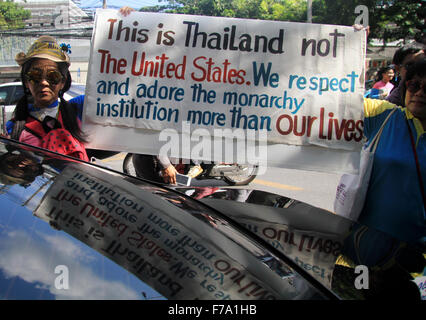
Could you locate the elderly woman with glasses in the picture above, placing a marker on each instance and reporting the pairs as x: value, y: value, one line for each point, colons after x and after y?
x: 395, y: 201
x: 43, y: 117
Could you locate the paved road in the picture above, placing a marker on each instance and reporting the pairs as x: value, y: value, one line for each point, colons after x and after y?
x: 315, y: 188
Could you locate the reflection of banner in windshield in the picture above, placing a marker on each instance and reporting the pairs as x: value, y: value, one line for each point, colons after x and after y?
x: 312, y: 237
x: 300, y: 83
x: 139, y: 235
x: 314, y: 252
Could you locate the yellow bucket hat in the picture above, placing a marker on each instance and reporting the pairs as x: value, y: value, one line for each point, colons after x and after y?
x: 44, y: 47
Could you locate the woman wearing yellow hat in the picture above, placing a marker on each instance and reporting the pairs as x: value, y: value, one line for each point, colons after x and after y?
x: 42, y: 117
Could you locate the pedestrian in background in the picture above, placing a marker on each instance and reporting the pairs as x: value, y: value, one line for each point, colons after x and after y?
x: 402, y: 58
x: 383, y: 85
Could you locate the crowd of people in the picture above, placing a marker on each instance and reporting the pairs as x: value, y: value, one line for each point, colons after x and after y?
x: 389, y: 77
x: 395, y: 197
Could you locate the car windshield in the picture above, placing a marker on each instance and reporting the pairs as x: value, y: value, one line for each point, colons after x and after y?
x: 127, y: 238
x: 177, y: 247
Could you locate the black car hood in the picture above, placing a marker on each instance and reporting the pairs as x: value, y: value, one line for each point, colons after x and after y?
x: 73, y: 230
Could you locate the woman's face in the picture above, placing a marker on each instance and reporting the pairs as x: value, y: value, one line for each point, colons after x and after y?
x: 388, y: 75
x: 44, y: 82
x: 415, y: 97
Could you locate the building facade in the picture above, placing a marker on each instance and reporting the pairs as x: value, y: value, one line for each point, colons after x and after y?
x: 62, y: 19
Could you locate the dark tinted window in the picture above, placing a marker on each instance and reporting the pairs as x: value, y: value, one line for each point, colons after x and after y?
x: 19, y: 92
x: 5, y: 93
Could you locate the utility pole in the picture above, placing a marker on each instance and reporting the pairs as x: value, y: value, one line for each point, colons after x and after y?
x: 309, y: 11
x: 104, y: 5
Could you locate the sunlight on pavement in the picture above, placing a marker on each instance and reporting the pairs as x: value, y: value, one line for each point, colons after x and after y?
x: 276, y: 185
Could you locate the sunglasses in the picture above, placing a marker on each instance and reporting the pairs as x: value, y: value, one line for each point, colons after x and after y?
x: 36, y: 76
x: 414, y: 85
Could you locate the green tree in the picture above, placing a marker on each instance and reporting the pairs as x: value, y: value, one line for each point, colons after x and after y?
x: 403, y: 19
x: 288, y: 10
x: 223, y: 8
x: 388, y: 19
x: 338, y: 12
x: 12, y: 15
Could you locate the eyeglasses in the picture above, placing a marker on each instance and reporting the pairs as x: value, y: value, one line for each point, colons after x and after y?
x: 414, y: 85
x: 36, y: 76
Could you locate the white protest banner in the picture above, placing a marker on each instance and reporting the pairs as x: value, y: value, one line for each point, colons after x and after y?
x: 189, y: 85
x: 169, y: 243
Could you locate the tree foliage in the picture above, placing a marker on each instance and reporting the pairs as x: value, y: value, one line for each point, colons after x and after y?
x: 12, y: 15
x: 388, y: 19
x: 403, y: 19
x: 288, y: 10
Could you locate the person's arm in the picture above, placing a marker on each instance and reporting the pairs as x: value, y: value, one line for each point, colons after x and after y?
x: 169, y: 174
x: 164, y: 161
x: 168, y: 171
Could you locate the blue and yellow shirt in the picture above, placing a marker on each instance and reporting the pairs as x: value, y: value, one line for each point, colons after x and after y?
x: 394, y: 202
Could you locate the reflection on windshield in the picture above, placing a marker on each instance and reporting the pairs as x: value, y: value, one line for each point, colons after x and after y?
x: 328, y: 247
x: 153, y: 239
x: 180, y: 248
x: 31, y: 250
x: 33, y: 263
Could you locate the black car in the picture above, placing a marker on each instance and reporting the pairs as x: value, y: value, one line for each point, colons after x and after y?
x: 74, y: 230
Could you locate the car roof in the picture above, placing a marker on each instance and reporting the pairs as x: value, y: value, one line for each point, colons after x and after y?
x: 130, y: 238
x: 11, y: 84
x: 17, y: 83
x: 76, y: 88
